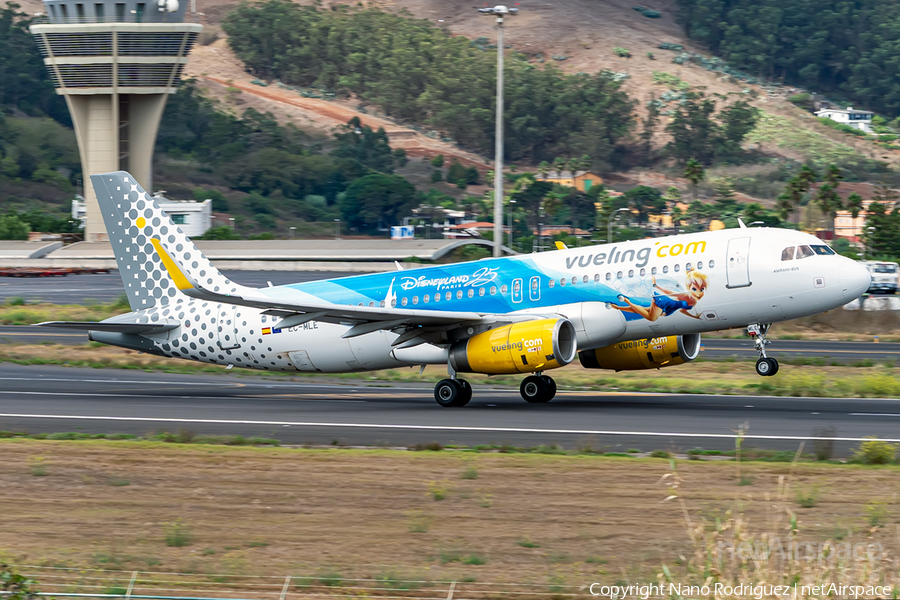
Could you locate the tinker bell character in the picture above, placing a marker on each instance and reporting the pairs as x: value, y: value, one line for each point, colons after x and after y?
x: 665, y: 302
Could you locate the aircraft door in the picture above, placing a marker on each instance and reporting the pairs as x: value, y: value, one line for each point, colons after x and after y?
x: 534, y: 289
x: 517, y: 290
x: 737, y: 265
x: 227, y: 330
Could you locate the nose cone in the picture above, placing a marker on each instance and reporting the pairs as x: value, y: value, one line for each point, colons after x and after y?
x: 855, y: 279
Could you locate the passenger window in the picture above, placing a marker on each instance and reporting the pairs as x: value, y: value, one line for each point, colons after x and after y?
x: 677, y: 268
x: 653, y: 271
x: 415, y: 300
x: 688, y: 267
x: 450, y: 295
x: 481, y: 291
x: 619, y: 275
x: 631, y: 272
x: 804, y: 252
x: 381, y: 304
x: 574, y: 280
x: 712, y: 264
x: 437, y: 297
x: 699, y: 264
x: 822, y: 250
x: 584, y: 279
x: 371, y: 304
x: 503, y: 289
x: 426, y: 298
x: 787, y: 253
x: 609, y: 276
x: 471, y: 293
x: 596, y: 277
x: 404, y: 301
x: 562, y: 282
x: 552, y: 283
x: 665, y: 268
x: 493, y: 290
x: 459, y: 294
x: 394, y: 303
x: 643, y: 272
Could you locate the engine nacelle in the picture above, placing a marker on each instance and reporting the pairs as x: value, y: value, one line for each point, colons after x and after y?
x: 517, y: 348
x: 653, y: 353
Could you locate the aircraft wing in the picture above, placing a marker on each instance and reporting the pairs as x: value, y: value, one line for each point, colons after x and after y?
x: 365, y: 318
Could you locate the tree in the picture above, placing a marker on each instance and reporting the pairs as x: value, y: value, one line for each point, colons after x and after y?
x: 582, y: 211
x: 854, y: 204
x: 12, y: 228
x: 695, y: 173
x: 827, y: 197
x: 725, y: 201
x: 223, y: 232
x: 543, y: 169
x: 438, y: 161
x: 529, y: 195
x: 559, y: 165
x: 456, y: 173
x: 436, y: 176
x: 377, y: 200
x: 648, y: 128
x: 699, y: 133
x: 370, y: 148
x: 645, y: 200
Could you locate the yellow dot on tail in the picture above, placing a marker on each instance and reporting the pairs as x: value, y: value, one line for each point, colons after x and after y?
x: 141, y: 221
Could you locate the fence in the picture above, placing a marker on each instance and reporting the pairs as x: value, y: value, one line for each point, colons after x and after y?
x: 70, y: 582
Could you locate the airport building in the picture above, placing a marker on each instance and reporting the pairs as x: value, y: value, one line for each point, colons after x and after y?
x: 116, y: 64
x: 193, y: 218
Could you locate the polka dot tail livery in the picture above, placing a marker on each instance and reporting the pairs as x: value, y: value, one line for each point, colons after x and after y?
x: 138, y: 230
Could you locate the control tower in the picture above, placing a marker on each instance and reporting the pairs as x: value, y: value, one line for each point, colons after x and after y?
x: 115, y: 63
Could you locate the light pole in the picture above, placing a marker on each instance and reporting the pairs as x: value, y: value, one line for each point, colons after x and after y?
x: 510, y: 210
x: 337, y: 229
x: 499, y: 12
x: 609, y: 224
x: 293, y: 229
x: 868, y: 246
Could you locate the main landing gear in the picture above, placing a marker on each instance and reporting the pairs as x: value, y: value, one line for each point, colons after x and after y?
x: 538, y: 389
x: 455, y: 392
x: 765, y: 366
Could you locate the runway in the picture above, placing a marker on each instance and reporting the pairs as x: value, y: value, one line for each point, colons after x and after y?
x: 712, y: 349
x: 56, y: 399
x: 107, y: 287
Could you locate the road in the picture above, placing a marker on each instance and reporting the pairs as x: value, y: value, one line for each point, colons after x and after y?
x: 712, y: 349
x: 55, y: 399
x: 107, y: 287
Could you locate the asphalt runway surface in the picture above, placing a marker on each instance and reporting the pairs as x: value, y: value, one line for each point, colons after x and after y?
x: 107, y: 287
x: 57, y: 399
x: 712, y: 349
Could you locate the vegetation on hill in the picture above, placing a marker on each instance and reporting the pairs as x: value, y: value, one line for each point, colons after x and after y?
x: 849, y: 48
x: 418, y: 73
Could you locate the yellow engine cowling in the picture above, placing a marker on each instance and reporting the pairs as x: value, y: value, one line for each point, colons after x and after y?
x: 653, y: 353
x: 518, y: 348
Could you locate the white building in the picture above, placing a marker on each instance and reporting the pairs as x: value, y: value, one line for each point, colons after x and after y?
x: 858, y: 119
x: 194, y: 218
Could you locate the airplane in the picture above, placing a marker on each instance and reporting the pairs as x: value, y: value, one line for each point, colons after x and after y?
x: 623, y: 306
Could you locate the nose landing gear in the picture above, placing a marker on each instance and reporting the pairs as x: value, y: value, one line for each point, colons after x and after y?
x: 765, y: 366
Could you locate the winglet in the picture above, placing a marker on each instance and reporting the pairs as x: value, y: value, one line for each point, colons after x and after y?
x: 180, y: 280
x: 560, y: 245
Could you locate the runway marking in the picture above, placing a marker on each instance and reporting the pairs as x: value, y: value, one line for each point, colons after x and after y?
x: 874, y: 415
x: 162, y: 397
x: 807, y: 351
x: 798, y: 438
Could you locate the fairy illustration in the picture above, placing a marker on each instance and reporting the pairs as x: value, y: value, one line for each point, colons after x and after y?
x: 666, y: 302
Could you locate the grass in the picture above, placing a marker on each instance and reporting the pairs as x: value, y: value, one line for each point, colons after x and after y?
x: 808, y: 497
x: 526, y: 542
x: 118, y: 481
x: 177, y: 534
x: 469, y: 473
x: 16, y: 311
x: 877, y: 513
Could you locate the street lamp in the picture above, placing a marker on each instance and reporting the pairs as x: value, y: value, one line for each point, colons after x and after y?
x: 609, y: 223
x: 337, y: 229
x: 499, y: 12
x: 231, y: 222
x: 868, y: 245
x: 510, y: 210
x: 293, y: 229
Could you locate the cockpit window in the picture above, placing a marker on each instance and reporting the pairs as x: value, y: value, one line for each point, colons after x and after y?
x: 822, y: 250
x: 787, y: 253
x: 804, y: 252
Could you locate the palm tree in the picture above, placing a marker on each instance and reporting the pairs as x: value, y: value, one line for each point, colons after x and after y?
x: 559, y: 164
x: 543, y: 169
x: 695, y: 173
x: 854, y: 204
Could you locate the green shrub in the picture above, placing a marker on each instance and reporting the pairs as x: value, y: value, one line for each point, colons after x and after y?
x: 470, y: 473
x: 876, y: 452
x: 526, y: 542
x: 621, y: 52
x: 15, y: 301
x: 801, y: 98
x: 177, y: 534
x: 808, y: 497
x: 876, y: 513
x: 660, y: 454
x: 474, y: 559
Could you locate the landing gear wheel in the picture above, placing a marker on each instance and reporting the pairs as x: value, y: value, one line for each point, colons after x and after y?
x: 448, y: 392
x: 466, y: 394
x: 766, y: 367
x: 551, y: 387
x: 537, y: 389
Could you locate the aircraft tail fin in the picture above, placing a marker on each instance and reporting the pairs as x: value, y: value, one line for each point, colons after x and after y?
x: 138, y: 230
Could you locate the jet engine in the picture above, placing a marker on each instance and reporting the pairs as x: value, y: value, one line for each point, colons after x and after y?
x: 523, y: 347
x: 652, y: 353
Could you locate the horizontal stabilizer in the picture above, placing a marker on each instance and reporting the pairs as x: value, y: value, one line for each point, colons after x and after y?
x: 111, y: 327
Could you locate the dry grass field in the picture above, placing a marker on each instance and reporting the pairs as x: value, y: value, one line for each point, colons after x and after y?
x: 431, y: 516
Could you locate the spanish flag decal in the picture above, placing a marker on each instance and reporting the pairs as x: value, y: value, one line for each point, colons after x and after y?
x: 266, y: 330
